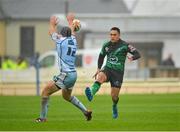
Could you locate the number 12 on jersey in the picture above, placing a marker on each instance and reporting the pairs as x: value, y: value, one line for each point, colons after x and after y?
x: 71, y: 51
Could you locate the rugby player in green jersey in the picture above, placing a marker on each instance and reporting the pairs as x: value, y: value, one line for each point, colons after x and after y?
x: 116, y: 51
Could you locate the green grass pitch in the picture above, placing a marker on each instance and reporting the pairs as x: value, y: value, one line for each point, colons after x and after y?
x: 136, y: 112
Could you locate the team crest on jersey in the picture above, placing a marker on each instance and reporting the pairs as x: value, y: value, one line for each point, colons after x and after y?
x: 113, y: 59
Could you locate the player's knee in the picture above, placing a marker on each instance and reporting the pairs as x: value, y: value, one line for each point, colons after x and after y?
x: 101, y: 77
x: 46, y: 91
x: 115, y: 97
x: 67, y: 98
x: 113, y: 94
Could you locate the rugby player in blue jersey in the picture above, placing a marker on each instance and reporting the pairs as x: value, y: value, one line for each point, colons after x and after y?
x: 66, y: 46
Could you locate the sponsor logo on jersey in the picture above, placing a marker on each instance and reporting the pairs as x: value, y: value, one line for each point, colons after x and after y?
x: 113, y: 59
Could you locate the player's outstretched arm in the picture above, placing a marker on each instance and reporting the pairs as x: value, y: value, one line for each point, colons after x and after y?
x: 52, y: 25
x: 70, y: 17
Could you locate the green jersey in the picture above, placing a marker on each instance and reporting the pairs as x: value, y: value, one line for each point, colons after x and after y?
x: 116, y: 54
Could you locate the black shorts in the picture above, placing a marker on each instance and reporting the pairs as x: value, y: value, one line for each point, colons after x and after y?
x: 114, y: 77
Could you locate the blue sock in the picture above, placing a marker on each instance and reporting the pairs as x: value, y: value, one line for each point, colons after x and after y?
x: 44, y: 107
x: 75, y: 101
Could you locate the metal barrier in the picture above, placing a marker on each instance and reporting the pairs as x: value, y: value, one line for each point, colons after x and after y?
x: 164, y: 72
x: 23, y: 82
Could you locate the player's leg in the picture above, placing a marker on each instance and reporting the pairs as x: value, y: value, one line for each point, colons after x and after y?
x: 116, y: 79
x: 66, y: 93
x: 91, y: 91
x: 115, y: 98
x: 49, y: 89
x: 67, y: 90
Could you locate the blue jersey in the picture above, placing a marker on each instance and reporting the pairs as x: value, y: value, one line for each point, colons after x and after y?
x: 66, y: 48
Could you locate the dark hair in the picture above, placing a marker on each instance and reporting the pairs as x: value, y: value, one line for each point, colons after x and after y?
x: 116, y: 28
x: 66, y: 32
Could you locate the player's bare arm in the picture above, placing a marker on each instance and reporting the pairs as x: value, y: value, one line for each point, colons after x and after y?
x: 52, y: 25
x: 70, y: 17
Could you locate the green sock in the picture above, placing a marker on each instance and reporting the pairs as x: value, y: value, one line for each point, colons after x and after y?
x: 95, y: 87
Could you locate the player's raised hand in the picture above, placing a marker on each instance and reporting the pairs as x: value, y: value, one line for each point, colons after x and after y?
x: 70, y: 17
x: 95, y: 75
x: 53, y: 20
x: 52, y: 25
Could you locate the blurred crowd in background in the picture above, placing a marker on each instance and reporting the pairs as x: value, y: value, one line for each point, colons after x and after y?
x: 153, y: 30
x: 10, y: 63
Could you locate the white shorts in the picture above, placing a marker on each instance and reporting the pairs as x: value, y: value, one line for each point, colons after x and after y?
x: 65, y: 80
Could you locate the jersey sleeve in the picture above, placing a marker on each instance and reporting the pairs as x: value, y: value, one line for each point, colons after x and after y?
x: 103, y: 50
x: 101, y: 56
x: 58, y: 39
x: 54, y: 37
x: 132, y: 50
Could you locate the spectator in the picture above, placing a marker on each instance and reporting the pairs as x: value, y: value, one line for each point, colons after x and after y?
x: 21, y: 63
x: 8, y: 64
x: 0, y: 62
x: 168, y: 61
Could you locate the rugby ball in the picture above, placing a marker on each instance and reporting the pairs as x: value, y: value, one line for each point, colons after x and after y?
x: 77, y: 25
